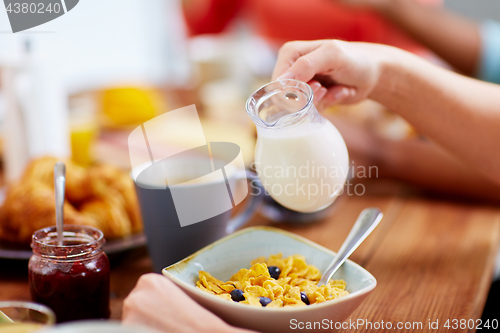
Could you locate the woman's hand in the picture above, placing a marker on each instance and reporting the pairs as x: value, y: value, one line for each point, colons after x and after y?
x: 459, y: 113
x: 158, y: 303
x: 347, y: 72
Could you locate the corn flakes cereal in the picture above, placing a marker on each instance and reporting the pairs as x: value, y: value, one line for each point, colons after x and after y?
x: 296, y: 284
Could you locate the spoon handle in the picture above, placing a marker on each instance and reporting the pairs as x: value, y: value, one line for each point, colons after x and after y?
x: 59, y: 186
x: 366, y: 222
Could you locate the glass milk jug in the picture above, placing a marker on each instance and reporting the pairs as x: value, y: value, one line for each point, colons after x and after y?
x: 300, y: 157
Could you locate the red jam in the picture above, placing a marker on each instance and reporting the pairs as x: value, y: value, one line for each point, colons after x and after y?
x: 73, y: 278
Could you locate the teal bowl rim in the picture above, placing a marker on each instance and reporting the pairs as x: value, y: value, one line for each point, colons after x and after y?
x: 223, y: 302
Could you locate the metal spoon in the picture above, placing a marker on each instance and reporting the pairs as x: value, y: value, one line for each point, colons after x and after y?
x: 367, y: 220
x: 59, y: 186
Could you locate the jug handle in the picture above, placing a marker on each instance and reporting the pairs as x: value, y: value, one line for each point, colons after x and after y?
x: 256, y: 196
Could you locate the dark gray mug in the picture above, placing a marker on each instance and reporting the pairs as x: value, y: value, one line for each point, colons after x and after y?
x: 168, y: 241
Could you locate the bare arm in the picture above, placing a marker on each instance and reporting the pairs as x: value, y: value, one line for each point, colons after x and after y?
x: 433, y: 168
x: 458, y: 113
x: 452, y: 37
x: 416, y: 161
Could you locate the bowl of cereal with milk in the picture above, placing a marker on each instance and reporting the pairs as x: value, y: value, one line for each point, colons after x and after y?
x: 265, y: 279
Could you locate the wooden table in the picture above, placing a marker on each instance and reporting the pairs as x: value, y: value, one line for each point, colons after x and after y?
x: 433, y: 259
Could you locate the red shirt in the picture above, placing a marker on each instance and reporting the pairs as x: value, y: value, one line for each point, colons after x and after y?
x: 280, y: 21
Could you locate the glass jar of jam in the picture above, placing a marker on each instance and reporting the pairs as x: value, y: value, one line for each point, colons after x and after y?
x: 73, y: 278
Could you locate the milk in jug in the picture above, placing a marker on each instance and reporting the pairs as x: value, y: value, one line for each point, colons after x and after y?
x: 300, y: 157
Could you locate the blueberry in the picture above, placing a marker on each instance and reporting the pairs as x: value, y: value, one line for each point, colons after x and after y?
x: 264, y: 301
x: 274, y: 272
x: 237, y: 295
x: 304, y: 298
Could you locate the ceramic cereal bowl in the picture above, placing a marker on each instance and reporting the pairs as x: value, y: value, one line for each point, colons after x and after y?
x: 228, y: 255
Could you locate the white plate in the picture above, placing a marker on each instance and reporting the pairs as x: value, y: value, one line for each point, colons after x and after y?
x: 114, y: 246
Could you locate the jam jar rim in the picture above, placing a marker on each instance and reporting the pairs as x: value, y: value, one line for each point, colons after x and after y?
x: 87, y: 250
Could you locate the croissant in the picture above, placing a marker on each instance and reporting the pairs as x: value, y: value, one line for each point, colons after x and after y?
x: 77, y: 179
x: 106, y: 180
x: 100, y: 196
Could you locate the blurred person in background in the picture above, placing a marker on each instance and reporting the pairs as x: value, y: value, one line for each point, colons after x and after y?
x: 471, y: 48
x: 466, y: 46
x: 279, y: 21
x: 459, y: 113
